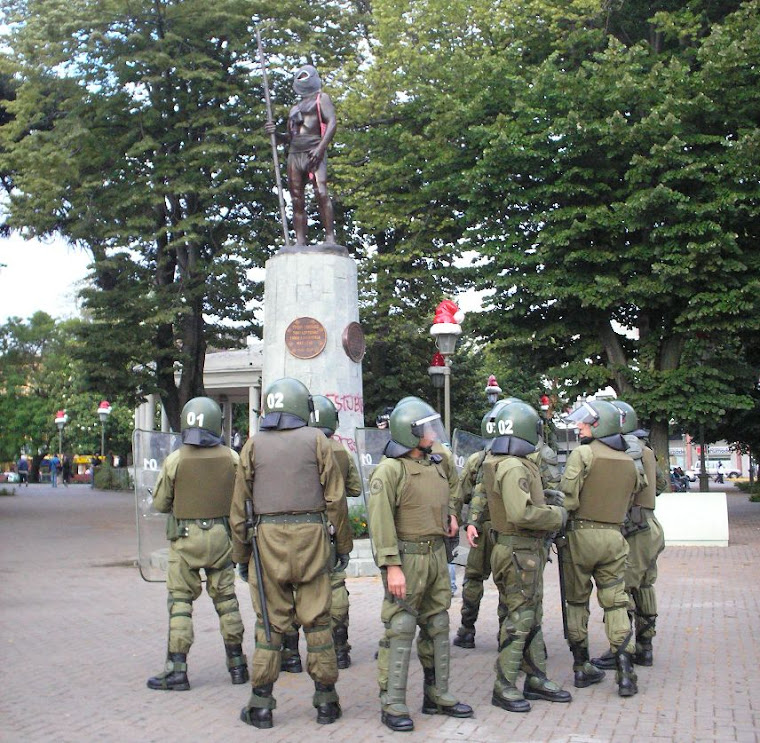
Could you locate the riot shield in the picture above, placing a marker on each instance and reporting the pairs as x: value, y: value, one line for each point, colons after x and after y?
x: 464, y: 445
x: 370, y: 444
x: 150, y: 449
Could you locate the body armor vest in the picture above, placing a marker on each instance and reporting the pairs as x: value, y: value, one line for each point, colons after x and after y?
x: 422, y: 509
x: 646, y: 497
x: 608, y: 486
x: 341, y: 457
x: 499, y: 519
x: 286, y: 472
x: 204, y: 482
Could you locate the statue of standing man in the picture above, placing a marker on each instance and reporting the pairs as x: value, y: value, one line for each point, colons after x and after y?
x: 311, y: 127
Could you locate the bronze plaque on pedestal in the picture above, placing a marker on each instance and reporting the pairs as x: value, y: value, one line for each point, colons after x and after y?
x: 353, y: 342
x: 305, y: 337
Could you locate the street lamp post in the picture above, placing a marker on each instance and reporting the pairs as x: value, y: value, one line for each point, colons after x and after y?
x: 446, y: 329
x: 104, y: 410
x: 438, y: 372
x: 61, y: 419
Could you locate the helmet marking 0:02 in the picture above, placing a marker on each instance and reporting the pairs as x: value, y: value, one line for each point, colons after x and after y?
x: 520, y: 420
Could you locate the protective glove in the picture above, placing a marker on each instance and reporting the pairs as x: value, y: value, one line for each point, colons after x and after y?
x: 342, y: 563
x: 243, y: 570
x: 563, y: 511
x: 554, y: 497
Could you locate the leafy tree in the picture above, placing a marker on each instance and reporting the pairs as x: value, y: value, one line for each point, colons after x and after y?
x: 39, y: 376
x: 619, y: 218
x: 136, y: 133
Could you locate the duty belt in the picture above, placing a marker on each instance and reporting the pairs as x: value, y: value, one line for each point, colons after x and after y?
x: 576, y: 524
x: 291, y: 518
x: 419, y: 546
x: 515, y: 540
x: 204, y: 524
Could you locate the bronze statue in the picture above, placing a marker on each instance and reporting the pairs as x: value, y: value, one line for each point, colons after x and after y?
x: 311, y: 127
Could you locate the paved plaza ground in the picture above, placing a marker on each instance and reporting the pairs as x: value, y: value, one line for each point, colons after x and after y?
x: 81, y: 632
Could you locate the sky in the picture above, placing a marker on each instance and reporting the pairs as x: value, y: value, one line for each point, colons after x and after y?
x: 39, y: 275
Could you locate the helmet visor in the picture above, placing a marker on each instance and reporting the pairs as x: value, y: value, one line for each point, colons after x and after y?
x: 584, y: 414
x: 430, y: 427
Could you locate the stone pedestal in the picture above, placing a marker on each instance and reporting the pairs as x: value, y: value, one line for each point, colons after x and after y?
x: 311, y: 332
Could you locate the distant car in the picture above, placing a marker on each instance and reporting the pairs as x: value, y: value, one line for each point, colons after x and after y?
x: 712, y: 470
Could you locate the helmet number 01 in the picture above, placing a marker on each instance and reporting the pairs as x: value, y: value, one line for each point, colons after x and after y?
x: 194, y: 419
x: 274, y: 400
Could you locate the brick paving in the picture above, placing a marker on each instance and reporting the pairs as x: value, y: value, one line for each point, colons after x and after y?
x: 81, y: 632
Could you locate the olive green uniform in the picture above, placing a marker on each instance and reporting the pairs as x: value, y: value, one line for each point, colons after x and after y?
x: 598, y: 482
x: 195, y: 486
x: 478, y: 566
x: 339, y: 611
x: 521, y: 522
x: 292, y: 480
x: 646, y: 541
x: 409, y: 507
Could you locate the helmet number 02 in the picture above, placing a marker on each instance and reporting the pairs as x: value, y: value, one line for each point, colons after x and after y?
x: 506, y: 428
x: 194, y: 419
x: 274, y: 400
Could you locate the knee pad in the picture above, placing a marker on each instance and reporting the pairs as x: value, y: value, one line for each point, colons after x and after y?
x: 403, y: 625
x: 438, y: 624
x: 612, y: 595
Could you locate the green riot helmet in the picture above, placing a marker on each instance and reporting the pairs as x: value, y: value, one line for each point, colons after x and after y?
x: 519, y: 420
x: 288, y: 395
x: 201, y: 422
x: 488, y: 424
x: 325, y: 416
x: 630, y: 419
x: 412, y: 420
x: 603, y: 417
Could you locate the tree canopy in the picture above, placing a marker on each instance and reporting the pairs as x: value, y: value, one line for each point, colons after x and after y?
x: 592, y: 169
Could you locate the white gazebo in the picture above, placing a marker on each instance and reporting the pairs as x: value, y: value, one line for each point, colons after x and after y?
x: 228, y: 377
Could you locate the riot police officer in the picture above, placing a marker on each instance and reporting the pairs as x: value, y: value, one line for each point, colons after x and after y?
x: 290, y: 480
x: 411, y: 511
x: 646, y: 541
x: 521, y: 520
x: 598, y: 481
x: 195, y: 488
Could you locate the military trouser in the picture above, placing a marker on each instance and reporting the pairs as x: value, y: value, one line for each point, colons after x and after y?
x: 518, y: 571
x: 294, y: 564
x: 476, y: 572
x: 428, y: 597
x: 339, y: 608
x: 210, y: 550
x: 641, y: 573
x: 598, y: 552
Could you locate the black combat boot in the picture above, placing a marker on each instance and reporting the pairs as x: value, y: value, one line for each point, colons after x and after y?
x: 290, y: 660
x: 326, y: 702
x: 237, y: 664
x: 465, y: 638
x: 431, y: 707
x: 342, y: 648
x: 585, y: 673
x: 606, y: 660
x: 643, y: 655
x: 259, y: 716
x: 626, y: 677
x: 174, y: 677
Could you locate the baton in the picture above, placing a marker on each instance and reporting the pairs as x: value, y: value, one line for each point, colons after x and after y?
x: 560, y: 541
x: 273, y: 138
x: 257, y: 567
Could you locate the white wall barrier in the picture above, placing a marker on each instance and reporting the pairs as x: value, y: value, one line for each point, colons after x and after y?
x: 694, y: 519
